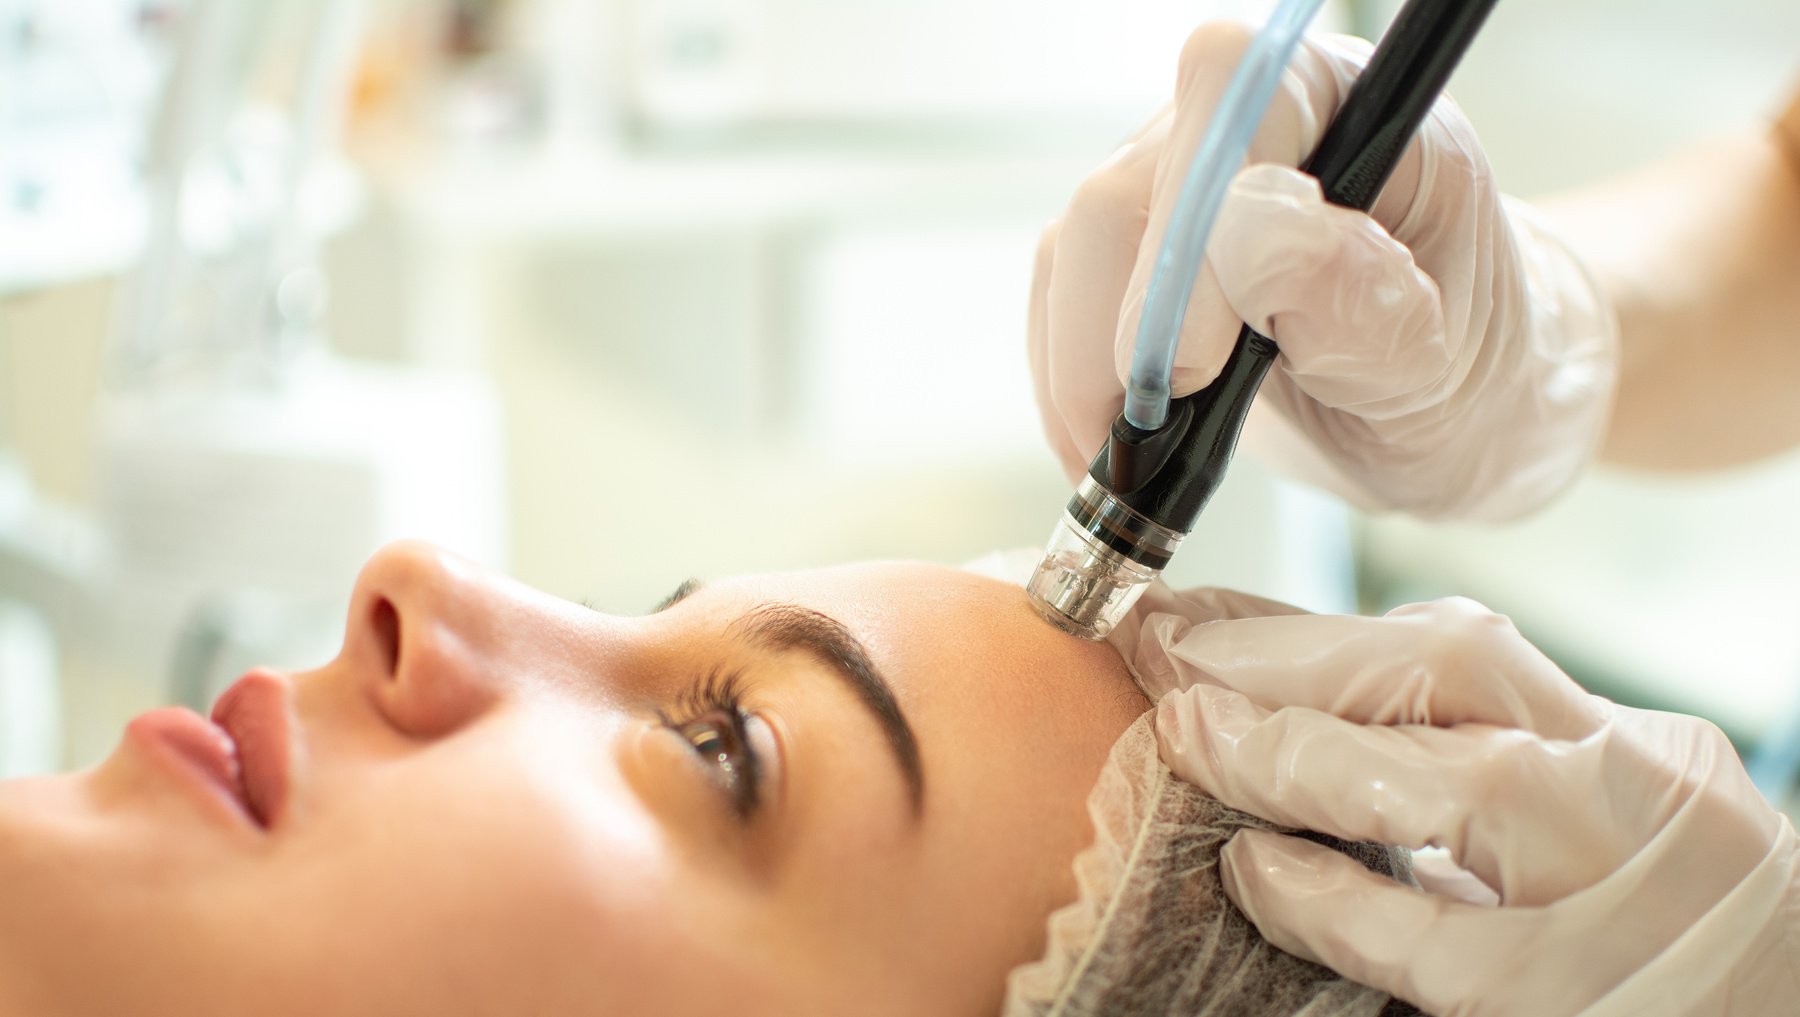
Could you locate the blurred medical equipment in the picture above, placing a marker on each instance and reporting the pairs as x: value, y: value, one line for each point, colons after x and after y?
x: 78, y: 79
x: 1147, y: 486
x: 48, y: 558
x: 1151, y: 932
x: 1636, y: 867
x: 244, y: 472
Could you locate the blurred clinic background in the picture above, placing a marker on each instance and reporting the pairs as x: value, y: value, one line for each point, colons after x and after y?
x: 608, y: 293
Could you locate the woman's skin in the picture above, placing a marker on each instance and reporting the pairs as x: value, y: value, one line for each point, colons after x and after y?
x: 488, y: 816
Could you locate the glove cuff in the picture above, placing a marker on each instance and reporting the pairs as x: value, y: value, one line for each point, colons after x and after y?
x: 1570, y: 369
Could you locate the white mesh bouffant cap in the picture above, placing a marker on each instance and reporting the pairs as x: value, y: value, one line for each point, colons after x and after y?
x: 1152, y: 932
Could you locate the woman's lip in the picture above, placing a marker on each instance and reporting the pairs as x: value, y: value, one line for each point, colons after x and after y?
x: 198, y: 753
x: 255, y: 712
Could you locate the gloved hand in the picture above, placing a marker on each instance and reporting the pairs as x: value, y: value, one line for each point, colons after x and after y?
x: 1637, y: 870
x: 1448, y: 356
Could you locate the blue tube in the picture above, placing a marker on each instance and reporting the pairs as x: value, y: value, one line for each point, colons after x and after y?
x: 1221, y: 151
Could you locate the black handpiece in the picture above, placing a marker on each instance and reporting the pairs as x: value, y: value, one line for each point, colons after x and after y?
x: 1147, y: 487
x: 1170, y: 473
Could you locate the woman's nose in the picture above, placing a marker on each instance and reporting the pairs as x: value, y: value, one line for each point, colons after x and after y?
x: 425, y: 636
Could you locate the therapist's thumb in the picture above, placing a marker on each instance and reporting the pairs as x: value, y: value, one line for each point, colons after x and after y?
x: 1325, y: 907
x: 1360, y: 325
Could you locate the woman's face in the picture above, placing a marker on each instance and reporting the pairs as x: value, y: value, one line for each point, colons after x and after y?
x: 502, y: 803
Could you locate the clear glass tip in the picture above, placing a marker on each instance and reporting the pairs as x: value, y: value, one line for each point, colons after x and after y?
x: 1082, y: 586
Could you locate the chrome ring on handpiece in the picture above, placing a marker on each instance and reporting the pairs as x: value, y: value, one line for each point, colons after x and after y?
x: 1121, y: 527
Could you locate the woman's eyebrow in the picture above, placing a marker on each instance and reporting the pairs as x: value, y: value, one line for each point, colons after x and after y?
x: 688, y: 588
x: 783, y: 626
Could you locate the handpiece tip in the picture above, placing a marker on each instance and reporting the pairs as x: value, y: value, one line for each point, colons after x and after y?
x: 1061, y: 597
x: 1084, y: 587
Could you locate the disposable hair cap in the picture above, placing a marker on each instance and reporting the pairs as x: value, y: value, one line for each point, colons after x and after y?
x: 1152, y: 932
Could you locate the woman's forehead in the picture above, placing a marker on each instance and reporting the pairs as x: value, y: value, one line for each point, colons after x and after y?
x: 963, y: 650
x: 892, y: 606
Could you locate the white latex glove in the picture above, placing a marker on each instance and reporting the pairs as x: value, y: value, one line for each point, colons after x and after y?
x: 1448, y: 356
x: 1637, y: 870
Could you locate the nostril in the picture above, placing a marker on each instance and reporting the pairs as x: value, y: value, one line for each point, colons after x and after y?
x: 385, y: 620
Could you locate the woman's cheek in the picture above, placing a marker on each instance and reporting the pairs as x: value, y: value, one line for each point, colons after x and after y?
x: 674, y: 787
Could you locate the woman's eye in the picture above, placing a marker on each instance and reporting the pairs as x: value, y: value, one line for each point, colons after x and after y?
x: 716, y: 740
x: 715, y: 726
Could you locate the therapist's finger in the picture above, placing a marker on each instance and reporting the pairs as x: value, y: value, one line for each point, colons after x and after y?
x: 1163, y: 616
x: 1325, y: 907
x: 1156, y: 128
x: 1445, y: 662
x: 1301, y: 107
x: 1199, y: 604
x: 1435, y: 872
x: 1095, y: 249
x: 1361, y: 325
x: 1477, y: 791
x: 1037, y: 355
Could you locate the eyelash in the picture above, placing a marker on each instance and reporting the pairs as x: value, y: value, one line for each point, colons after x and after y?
x: 719, y: 697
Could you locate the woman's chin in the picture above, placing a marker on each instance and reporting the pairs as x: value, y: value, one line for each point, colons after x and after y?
x: 127, y: 804
x: 42, y: 803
